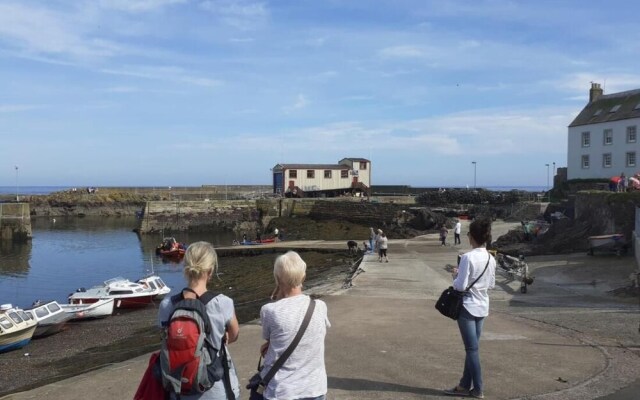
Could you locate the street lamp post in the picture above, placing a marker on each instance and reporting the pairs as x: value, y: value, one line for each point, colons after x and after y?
x: 474, y: 173
x: 548, y: 182
x: 17, y: 196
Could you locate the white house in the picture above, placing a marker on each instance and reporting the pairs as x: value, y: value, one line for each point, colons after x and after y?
x: 603, y: 138
x: 350, y: 175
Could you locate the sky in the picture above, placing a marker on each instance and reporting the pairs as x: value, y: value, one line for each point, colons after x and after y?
x: 192, y: 92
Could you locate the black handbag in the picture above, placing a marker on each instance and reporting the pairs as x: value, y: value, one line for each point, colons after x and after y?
x: 451, y: 300
x: 257, y: 383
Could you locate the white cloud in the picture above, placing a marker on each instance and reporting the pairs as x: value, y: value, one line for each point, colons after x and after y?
x: 240, y: 14
x: 12, y: 108
x: 137, y: 6
x: 300, y: 103
x: 402, y: 51
x: 167, y: 73
x: 41, y: 31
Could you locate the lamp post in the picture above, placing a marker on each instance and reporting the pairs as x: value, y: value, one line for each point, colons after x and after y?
x: 17, y: 196
x: 474, y: 173
x: 548, y: 182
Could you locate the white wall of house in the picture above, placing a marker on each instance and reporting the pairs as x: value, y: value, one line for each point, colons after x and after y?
x: 596, y: 150
x: 318, y: 182
x: 364, y: 174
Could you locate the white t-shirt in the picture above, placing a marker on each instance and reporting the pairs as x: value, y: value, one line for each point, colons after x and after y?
x: 220, y: 311
x: 383, y: 242
x: 471, y: 266
x: 303, y: 374
x: 457, y: 228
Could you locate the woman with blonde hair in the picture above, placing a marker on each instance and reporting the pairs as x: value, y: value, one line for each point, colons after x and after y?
x: 303, y: 374
x: 200, y: 264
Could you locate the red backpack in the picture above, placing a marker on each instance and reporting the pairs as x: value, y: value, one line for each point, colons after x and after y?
x: 189, y: 362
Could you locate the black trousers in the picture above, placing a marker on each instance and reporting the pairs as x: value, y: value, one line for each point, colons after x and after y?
x: 456, y: 238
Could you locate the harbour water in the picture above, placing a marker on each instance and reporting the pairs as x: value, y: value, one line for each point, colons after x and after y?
x: 82, y: 252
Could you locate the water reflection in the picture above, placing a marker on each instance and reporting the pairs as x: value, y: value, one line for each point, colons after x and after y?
x: 81, y: 252
x: 14, y: 258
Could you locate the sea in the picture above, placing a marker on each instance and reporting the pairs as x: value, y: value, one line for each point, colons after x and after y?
x: 69, y: 253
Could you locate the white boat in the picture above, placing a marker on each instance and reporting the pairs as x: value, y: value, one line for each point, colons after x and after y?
x: 50, y: 316
x: 100, y: 309
x: 125, y: 293
x: 16, y: 328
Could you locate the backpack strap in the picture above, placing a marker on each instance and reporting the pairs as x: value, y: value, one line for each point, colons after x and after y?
x: 281, y: 360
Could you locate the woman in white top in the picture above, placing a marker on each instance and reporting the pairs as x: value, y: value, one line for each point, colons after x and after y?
x: 476, y: 304
x: 382, y: 244
x: 303, y: 375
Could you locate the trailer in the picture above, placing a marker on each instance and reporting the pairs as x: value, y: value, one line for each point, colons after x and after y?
x: 514, y: 268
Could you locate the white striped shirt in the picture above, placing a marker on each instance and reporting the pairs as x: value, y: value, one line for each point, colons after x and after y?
x: 303, y: 374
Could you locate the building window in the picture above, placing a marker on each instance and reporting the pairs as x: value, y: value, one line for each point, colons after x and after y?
x: 631, y: 134
x: 344, y: 173
x: 631, y: 159
x: 585, y: 162
x: 327, y: 174
x: 608, y: 137
x: 293, y: 173
x: 606, y: 160
x: 363, y: 165
x: 311, y: 173
x: 586, y: 139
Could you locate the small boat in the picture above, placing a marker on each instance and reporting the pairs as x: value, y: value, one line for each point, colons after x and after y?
x: 125, y: 293
x: 16, y: 328
x: 255, y: 242
x: 615, y: 243
x: 50, y: 316
x: 171, y: 248
x: 100, y: 309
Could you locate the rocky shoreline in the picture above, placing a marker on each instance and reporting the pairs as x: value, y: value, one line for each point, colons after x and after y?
x: 89, y: 345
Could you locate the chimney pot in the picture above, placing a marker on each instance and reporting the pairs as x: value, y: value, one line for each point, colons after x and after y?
x: 595, y: 92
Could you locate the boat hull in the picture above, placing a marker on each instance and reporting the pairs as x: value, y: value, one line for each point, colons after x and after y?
x: 119, y: 302
x: 16, y: 340
x: 48, y: 329
x: 99, y: 309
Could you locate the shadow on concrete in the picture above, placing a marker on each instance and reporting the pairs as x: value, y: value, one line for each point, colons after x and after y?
x: 368, y: 385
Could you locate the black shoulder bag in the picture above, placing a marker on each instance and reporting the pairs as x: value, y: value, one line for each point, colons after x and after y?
x: 450, y: 302
x: 257, y: 383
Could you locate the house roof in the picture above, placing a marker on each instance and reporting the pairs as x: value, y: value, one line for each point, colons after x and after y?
x: 610, y: 107
x: 356, y: 159
x: 311, y: 166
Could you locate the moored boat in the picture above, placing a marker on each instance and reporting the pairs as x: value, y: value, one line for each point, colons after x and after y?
x: 126, y: 294
x: 100, y: 309
x: 16, y: 328
x: 50, y: 316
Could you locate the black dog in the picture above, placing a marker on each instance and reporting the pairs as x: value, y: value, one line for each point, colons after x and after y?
x: 353, y: 246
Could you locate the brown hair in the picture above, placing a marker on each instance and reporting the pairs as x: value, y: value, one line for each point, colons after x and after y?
x: 480, y: 230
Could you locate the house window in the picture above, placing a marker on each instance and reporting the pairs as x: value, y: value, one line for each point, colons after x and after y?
x: 586, y: 139
x: 293, y: 173
x: 585, y: 162
x: 363, y: 165
x: 327, y: 174
x: 631, y: 134
x: 606, y: 160
x: 311, y: 173
x: 631, y: 159
x: 344, y: 173
x: 608, y: 136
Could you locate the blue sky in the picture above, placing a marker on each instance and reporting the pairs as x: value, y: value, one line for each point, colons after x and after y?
x: 191, y: 92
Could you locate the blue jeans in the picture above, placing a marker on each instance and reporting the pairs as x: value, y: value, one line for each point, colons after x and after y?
x: 470, y: 330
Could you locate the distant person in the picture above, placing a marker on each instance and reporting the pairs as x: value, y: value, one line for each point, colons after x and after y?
x: 475, y: 305
x: 456, y: 232
x: 372, y: 238
x: 443, y: 235
x: 303, y: 375
x: 622, y: 183
x: 275, y: 233
x: 382, y: 244
x: 366, y: 247
x: 200, y: 264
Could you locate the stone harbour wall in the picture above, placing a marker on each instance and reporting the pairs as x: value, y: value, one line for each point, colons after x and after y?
x: 15, y: 221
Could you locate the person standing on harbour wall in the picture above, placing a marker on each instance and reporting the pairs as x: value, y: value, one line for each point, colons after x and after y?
x: 476, y: 266
x: 456, y: 232
x: 443, y: 235
x: 372, y: 238
x: 382, y: 244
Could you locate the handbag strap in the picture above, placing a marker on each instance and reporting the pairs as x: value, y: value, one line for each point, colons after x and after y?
x: 485, y: 269
x: 281, y: 360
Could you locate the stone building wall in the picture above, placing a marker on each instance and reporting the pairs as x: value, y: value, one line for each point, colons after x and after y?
x: 15, y: 221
